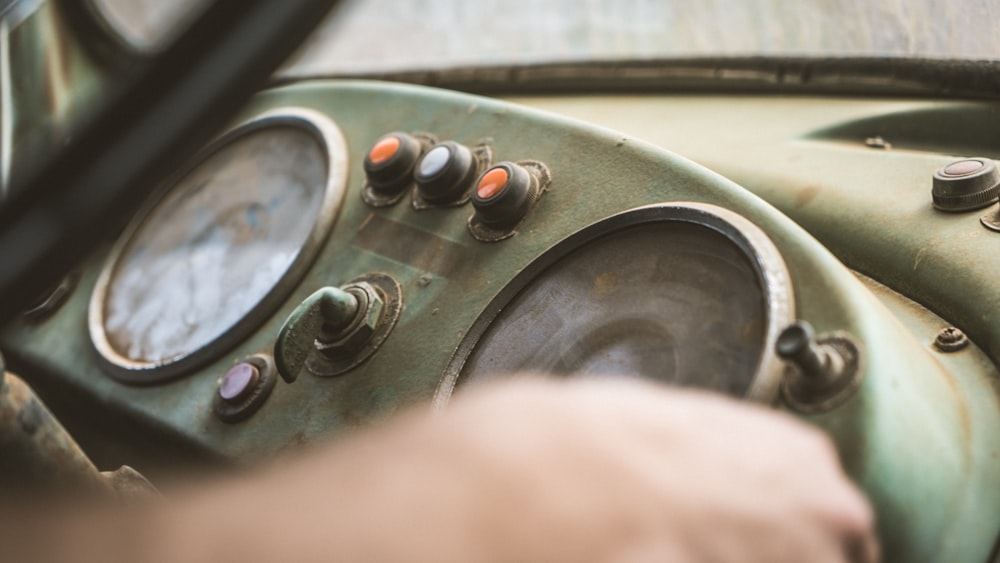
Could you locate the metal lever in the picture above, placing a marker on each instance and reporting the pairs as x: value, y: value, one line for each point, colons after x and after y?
x: 819, y: 363
x: 328, y: 310
x: 828, y: 368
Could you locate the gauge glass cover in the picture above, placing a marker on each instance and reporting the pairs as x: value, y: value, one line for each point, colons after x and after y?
x: 688, y: 295
x: 220, y: 243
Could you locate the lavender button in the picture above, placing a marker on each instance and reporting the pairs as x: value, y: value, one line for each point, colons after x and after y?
x: 238, y: 382
x: 963, y: 167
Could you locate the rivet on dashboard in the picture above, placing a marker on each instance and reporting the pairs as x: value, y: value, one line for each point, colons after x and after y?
x: 950, y: 339
x: 877, y: 142
x: 992, y: 219
x: 243, y: 389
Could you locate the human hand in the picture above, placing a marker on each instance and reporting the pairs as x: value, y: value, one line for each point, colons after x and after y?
x: 548, y: 471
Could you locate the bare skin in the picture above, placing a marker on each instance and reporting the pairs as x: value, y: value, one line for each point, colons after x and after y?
x: 529, y: 470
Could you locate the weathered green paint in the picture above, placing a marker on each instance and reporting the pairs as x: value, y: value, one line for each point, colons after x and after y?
x: 870, y: 206
x: 919, y: 436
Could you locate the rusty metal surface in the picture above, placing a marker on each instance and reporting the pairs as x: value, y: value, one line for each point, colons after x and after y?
x: 38, y: 455
x: 35, y: 450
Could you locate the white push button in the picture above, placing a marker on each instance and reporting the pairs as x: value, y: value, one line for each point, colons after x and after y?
x: 434, y: 161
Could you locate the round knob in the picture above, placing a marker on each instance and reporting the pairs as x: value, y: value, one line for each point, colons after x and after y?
x: 389, y: 163
x: 966, y: 184
x: 445, y: 172
x: 503, y: 195
x: 797, y: 343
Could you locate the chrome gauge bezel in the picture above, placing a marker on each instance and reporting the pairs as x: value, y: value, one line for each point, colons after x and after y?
x: 334, y: 147
x: 769, y: 266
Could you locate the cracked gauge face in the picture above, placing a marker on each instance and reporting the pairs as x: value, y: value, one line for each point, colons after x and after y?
x: 213, y: 249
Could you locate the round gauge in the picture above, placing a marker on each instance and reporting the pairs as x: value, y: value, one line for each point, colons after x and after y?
x: 220, y: 247
x: 687, y: 294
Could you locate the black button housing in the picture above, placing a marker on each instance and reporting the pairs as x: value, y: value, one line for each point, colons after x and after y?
x: 451, y: 181
x: 509, y: 205
x: 393, y: 175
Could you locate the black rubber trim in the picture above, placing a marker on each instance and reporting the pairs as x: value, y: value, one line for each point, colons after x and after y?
x: 159, y: 120
x: 863, y: 76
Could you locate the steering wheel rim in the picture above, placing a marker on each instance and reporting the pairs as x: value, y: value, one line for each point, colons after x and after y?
x: 182, y: 97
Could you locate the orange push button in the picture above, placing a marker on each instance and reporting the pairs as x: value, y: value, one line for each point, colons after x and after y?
x: 504, y: 194
x: 384, y: 149
x: 389, y: 163
x: 492, y: 183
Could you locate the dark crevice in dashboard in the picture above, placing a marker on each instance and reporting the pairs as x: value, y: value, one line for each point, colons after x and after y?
x: 956, y: 129
x: 868, y: 76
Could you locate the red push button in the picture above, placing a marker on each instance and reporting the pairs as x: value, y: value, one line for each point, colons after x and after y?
x: 384, y: 149
x: 492, y: 183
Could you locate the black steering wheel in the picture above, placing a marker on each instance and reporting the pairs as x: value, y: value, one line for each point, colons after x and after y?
x: 178, y: 100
